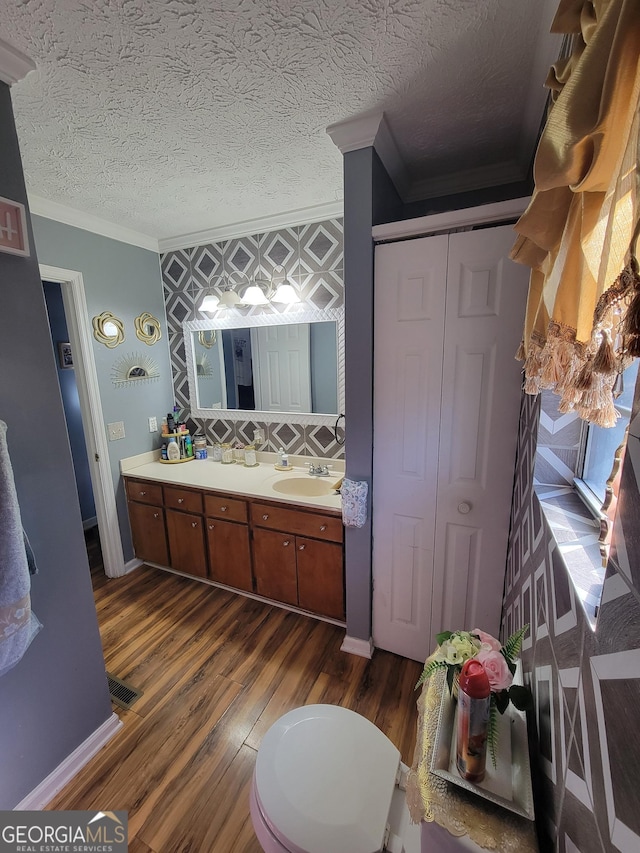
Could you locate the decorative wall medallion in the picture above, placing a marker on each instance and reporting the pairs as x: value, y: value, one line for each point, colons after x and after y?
x: 108, y: 329
x: 207, y: 338
x: 147, y: 328
x: 134, y: 368
x: 14, y: 237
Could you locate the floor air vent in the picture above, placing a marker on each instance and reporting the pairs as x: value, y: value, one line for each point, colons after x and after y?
x: 122, y: 693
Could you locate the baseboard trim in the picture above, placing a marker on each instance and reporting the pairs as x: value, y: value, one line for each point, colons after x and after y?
x: 356, y: 646
x: 72, y: 764
x: 131, y: 565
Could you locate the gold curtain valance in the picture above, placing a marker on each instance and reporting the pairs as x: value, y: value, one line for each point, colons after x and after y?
x: 578, y: 231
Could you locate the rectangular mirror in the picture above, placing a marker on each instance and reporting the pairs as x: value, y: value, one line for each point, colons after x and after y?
x: 268, y: 367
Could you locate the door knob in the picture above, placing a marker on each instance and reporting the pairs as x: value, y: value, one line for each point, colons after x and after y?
x: 464, y: 507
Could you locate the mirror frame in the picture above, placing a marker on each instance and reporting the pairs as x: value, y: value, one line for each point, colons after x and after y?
x: 142, y: 323
x: 231, y: 320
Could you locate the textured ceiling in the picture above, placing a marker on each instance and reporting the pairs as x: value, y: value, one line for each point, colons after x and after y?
x: 175, y: 116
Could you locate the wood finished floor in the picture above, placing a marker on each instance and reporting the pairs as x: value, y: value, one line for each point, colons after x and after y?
x: 217, y: 669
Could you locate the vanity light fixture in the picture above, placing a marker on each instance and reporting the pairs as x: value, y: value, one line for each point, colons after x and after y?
x: 209, y: 303
x: 285, y: 293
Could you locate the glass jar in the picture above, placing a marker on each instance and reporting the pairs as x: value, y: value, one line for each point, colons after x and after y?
x: 216, y: 453
x: 250, y: 459
x: 238, y: 453
x: 227, y: 454
x: 199, y: 447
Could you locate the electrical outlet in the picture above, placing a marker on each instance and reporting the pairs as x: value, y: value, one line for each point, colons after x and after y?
x: 115, y: 430
x: 258, y: 436
x: 153, y: 425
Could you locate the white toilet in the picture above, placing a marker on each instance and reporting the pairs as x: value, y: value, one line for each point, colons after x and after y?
x: 325, y: 781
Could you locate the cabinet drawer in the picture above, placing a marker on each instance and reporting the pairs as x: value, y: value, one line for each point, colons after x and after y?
x: 146, y: 493
x: 292, y: 521
x: 182, y: 499
x: 221, y: 506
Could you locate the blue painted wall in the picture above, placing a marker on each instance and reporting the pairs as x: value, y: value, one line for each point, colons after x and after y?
x: 70, y: 402
x: 57, y: 695
x: 124, y: 280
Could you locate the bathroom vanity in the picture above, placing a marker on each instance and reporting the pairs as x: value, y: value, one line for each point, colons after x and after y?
x: 254, y: 530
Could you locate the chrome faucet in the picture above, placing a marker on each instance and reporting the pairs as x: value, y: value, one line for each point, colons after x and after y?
x: 318, y: 470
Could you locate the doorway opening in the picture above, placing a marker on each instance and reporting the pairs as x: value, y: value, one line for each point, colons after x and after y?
x: 80, y: 349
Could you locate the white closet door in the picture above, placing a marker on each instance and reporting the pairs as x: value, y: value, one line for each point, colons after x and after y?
x: 481, y: 391
x: 410, y: 282
x: 449, y: 314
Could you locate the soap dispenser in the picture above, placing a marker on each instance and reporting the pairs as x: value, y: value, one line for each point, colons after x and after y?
x: 284, y: 458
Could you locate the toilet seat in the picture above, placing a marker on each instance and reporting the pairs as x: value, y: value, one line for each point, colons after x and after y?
x: 324, y: 781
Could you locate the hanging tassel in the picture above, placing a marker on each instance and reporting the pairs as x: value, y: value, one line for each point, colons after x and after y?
x: 584, y: 379
x: 520, y: 353
x: 605, y: 360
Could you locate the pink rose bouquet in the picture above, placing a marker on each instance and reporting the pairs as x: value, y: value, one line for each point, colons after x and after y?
x: 498, y: 661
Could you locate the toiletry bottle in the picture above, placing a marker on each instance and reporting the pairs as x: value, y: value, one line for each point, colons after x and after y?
x: 163, y: 450
x: 284, y: 459
x: 173, y: 451
x: 188, y: 446
x: 474, y: 699
x: 165, y: 427
x: 171, y: 424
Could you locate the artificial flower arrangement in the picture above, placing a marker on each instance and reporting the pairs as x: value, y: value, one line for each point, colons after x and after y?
x: 498, y: 662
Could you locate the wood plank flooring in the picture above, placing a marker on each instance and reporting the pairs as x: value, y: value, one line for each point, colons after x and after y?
x: 217, y: 669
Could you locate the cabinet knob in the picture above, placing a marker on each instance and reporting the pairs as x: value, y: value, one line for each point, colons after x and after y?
x: 265, y: 517
x: 223, y: 509
x: 180, y: 500
x: 286, y: 542
x: 323, y: 527
x: 156, y: 515
x: 142, y: 494
x: 301, y: 547
x: 211, y: 526
x: 194, y: 523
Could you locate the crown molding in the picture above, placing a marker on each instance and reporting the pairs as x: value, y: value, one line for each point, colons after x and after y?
x: 468, y: 180
x: 288, y: 219
x: 485, y: 214
x: 88, y: 222
x: 372, y: 130
x: 14, y: 64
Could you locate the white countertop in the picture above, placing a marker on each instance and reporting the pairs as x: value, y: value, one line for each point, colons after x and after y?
x: 255, y: 482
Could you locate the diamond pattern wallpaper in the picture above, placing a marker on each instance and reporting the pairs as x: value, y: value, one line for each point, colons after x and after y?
x: 312, y: 256
x: 586, y: 683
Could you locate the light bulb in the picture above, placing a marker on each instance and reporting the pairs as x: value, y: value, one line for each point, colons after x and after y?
x: 286, y: 294
x: 209, y: 303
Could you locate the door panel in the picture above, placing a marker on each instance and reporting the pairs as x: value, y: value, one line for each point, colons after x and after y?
x: 481, y: 389
x: 409, y: 338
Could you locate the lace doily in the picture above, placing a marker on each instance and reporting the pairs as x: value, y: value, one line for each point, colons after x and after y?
x: 431, y: 798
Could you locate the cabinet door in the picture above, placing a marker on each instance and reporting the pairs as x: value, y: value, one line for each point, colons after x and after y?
x: 186, y: 543
x: 274, y: 564
x: 320, y: 577
x: 148, y: 534
x: 229, y: 554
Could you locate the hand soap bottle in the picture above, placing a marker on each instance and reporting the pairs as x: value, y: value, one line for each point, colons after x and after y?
x: 284, y: 459
x: 173, y: 451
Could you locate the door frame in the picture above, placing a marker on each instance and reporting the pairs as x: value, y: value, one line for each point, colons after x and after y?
x: 80, y: 338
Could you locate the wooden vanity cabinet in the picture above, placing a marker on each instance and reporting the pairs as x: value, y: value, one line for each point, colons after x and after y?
x: 285, y: 554
x: 300, y: 562
x: 146, y: 517
x: 185, y: 531
x: 228, y: 541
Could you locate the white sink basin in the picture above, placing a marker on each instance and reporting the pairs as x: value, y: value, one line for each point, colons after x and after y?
x: 304, y: 486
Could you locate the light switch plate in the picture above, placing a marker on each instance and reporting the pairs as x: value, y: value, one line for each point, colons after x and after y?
x: 153, y: 424
x: 115, y: 430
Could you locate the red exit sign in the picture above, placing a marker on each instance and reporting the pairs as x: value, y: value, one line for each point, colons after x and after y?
x: 13, y: 228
